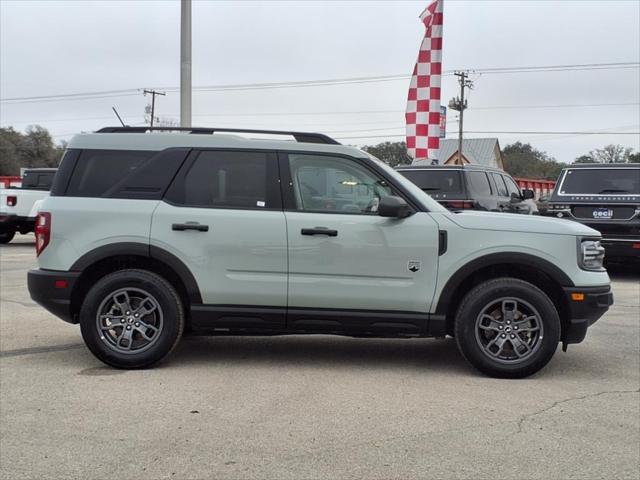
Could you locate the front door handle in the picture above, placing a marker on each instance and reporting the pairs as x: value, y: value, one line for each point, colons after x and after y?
x: 181, y: 227
x: 319, y: 231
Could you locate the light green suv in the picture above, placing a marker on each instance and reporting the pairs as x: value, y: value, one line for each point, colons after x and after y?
x: 149, y: 234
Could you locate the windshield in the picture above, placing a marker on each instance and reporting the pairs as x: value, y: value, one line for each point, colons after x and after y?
x: 601, y: 181
x: 426, y: 200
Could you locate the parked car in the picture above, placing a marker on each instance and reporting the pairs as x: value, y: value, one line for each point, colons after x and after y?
x: 148, y: 235
x: 471, y: 187
x: 605, y: 197
x: 19, y: 205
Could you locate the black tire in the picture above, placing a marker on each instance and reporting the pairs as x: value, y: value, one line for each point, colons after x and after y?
x: 503, y: 299
x: 6, y: 237
x: 141, y: 289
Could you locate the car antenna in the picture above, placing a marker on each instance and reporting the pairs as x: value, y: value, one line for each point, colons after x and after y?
x: 118, y: 115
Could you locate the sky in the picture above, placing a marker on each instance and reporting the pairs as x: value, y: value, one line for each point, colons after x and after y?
x: 68, y: 47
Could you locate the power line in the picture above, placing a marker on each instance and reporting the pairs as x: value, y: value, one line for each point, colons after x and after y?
x: 497, y: 133
x: 359, y: 112
x: 322, y: 82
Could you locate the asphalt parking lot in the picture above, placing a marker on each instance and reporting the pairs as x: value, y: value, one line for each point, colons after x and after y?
x: 311, y: 407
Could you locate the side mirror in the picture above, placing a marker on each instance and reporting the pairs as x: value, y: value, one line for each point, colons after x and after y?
x: 394, y: 207
x: 528, y: 194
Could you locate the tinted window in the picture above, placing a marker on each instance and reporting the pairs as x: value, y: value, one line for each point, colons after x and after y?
x: 479, y: 183
x: 511, y: 186
x: 98, y: 170
x: 37, y: 180
x: 226, y: 180
x: 435, y: 181
x: 502, y: 188
x: 602, y: 181
x: 332, y: 184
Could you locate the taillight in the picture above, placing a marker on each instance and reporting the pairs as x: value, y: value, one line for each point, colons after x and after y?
x: 460, y: 204
x: 12, y: 200
x: 43, y: 231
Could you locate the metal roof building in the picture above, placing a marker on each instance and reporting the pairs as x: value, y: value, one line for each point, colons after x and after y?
x: 477, y: 151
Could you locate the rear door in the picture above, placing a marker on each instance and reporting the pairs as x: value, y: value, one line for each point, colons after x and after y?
x: 480, y: 190
x: 503, y: 202
x: 222, y: 217
x: 349, y: 268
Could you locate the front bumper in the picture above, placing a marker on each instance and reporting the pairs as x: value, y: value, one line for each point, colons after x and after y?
x: 621, y: 247
x: 584, y: 313
x: 52, y: 290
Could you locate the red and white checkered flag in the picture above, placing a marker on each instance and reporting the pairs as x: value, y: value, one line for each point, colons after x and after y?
x: 423, y: 103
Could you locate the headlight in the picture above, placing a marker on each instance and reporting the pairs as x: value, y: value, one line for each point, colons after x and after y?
x: 591, y: 255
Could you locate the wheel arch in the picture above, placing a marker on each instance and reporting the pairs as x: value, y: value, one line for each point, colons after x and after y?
x: 537, y: 271
x: 118, y: 256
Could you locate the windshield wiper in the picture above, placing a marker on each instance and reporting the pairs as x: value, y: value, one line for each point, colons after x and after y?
x: 430, y: 189
x: 612, y: 190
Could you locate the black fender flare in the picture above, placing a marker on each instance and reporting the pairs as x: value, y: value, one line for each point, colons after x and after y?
x: 142, y: 250
x: 501, y: 258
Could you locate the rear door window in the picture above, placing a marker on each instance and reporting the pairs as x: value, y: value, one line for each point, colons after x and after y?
x: 479, y: 183
x: 500, y: 185
x: 228, y: 179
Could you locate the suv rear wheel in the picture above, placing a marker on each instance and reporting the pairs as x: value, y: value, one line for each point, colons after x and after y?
x: 131, y: 319
x: 507, y: 328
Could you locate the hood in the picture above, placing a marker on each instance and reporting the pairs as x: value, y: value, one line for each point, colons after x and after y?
x: 511, y: 222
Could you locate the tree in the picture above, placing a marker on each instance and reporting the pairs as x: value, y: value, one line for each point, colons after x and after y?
x: 608, y: 154
x: 34, y: 148
x: 523, y: 160
x: 634, y: 158
x: 584, y: 159
x: 393, y: 153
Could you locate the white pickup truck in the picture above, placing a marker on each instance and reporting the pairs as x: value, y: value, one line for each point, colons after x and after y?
x: 19, y: 205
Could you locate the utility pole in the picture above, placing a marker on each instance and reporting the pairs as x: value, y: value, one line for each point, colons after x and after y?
x: 460, y: 104
x: 185, y: 63
x: 153, y: 102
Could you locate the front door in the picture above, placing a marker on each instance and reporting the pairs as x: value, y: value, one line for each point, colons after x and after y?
x: 222, y: 217
x: 349, y: 268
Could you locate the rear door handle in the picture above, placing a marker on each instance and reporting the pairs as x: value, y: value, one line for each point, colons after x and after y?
x: 181, y: 227
x: 319, y: 231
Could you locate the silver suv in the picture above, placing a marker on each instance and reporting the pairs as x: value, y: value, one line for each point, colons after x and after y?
x: 149, y: 234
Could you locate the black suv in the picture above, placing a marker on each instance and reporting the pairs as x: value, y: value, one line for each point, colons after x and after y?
x: 474, y: 187
x: 605, y: 197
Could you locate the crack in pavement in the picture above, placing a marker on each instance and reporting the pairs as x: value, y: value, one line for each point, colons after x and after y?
x: 529, y: 416
x: 33, y: 350
x: 17, y: 302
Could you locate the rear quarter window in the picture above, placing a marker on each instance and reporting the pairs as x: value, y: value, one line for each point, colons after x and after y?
x: 96, y: 171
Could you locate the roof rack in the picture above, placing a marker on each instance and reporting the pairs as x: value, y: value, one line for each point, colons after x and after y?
x: 301, y: 137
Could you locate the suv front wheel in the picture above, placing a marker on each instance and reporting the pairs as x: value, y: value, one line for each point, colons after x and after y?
x: 131, y: 319
x: 507, y: 328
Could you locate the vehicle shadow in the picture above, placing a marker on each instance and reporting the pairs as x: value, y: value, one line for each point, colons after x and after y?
x: 323, y: 351
x: 14, y: 245
x: 626, y: 271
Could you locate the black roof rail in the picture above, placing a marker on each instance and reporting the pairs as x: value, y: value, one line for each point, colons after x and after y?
x: 301, y: 137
